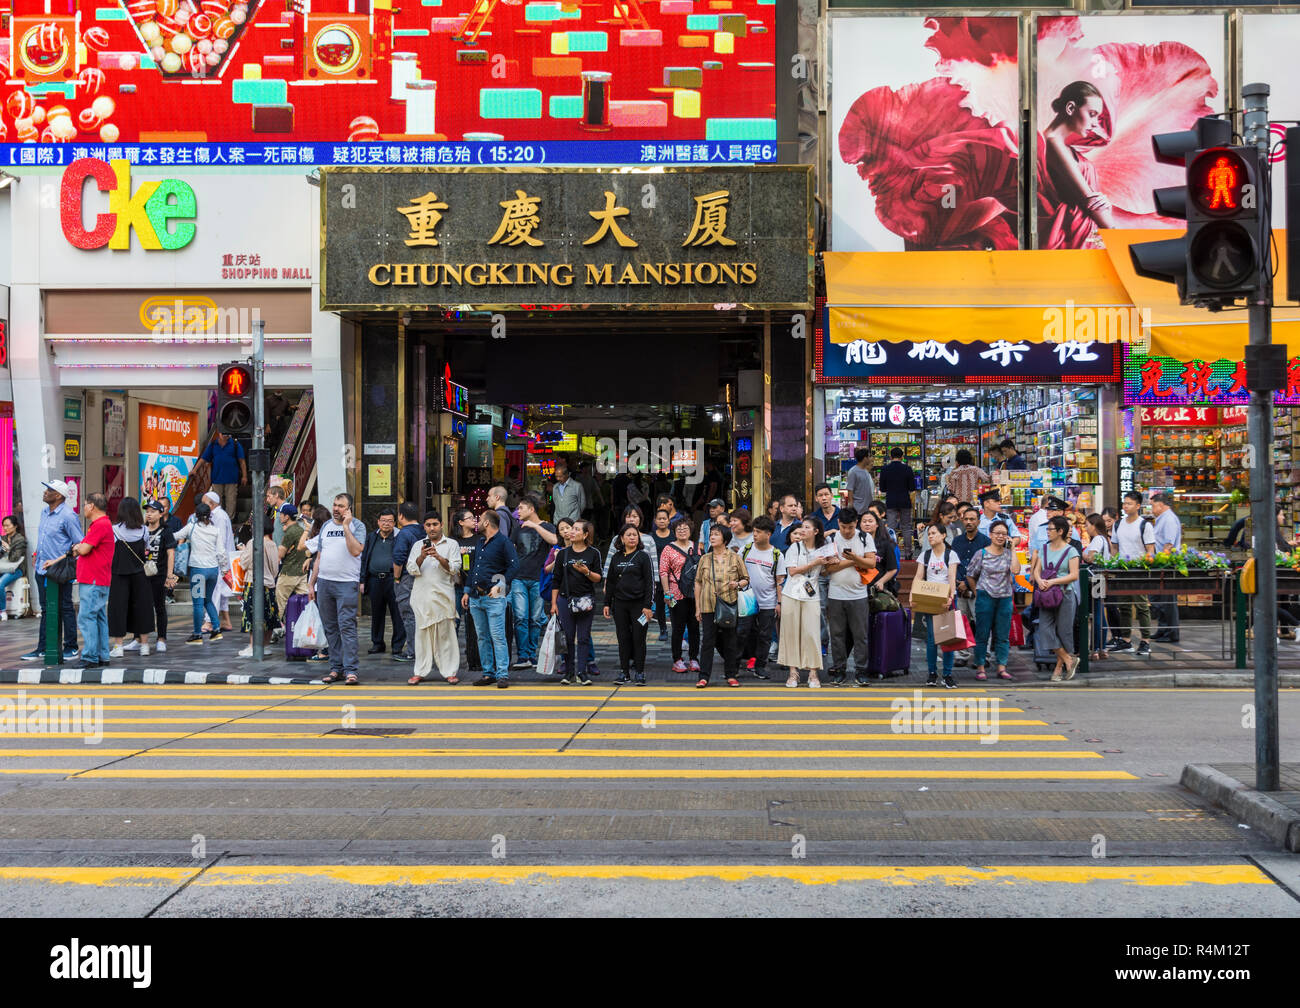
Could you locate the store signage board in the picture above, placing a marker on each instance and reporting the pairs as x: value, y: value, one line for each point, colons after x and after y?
x: 980, y: 363
x: 854, y: 416
x: 228, y: 244
x: 503, y: 238
x: 1126, y: 473
x: 369, y: 83
x: 1165, y: 381
x: 169, y: 450
x: 72, y: 409
x: 1179, y: 416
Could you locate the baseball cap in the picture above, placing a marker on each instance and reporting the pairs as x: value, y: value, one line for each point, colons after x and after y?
x: 154, y: 505
x: 717, y: 502
x: 59, y: 487
x: 289, y: 509
x: 213, y: 496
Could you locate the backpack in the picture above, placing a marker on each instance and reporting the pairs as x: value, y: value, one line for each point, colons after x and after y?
x: 686, y: 579
x: 925, y: 559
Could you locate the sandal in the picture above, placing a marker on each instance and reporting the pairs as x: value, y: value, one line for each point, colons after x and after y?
x: 415, y: 680
x: 452, y: 680
x: 981, y: 676
x: 1004, y: 674
x: 333, y: 677
x: 351, y: 681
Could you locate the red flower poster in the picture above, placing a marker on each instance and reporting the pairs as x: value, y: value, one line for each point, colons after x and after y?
x: 925, y: 115
x: 1104, y: 86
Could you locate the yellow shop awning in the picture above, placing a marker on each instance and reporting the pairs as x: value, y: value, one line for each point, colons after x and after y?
x: 1184, y: 332
x: 969, y: 297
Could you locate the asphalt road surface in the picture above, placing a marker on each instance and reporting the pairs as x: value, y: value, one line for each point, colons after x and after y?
x: 662, y: 800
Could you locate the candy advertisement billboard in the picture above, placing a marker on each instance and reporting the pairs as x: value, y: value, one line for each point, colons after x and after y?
x: 368, y: 81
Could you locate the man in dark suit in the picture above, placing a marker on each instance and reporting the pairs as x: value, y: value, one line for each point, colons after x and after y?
x: 377, y: 584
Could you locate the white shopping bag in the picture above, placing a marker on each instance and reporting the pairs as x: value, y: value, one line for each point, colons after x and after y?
x: 309, y: 631
x: 546, y: 653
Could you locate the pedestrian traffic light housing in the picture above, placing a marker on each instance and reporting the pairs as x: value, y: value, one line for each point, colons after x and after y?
x: 1171, y: 259
x: 1227, y: 235
x: 235, y: 399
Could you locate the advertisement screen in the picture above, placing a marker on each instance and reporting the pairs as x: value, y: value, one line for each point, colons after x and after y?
x: 362, y: 82
x: 1268, y: 43
x: 925, y: 114
x: 1169, y: 381
x: 1105, y: 85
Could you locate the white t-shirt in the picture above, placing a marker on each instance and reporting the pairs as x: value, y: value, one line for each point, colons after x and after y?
x: 738, y: 543
x: 847, y: 584
x: 936, y: 569
x: 1099, y: 547
x: 1133, y: 537
x: 764, y: 567
x: 336, y: 562
x: 799, y: 555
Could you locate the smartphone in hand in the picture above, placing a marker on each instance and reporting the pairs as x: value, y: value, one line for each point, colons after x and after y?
x: 642, y: 620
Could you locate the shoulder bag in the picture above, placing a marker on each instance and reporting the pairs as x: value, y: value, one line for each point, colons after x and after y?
x: 62, y: 570
x: 724, y: 613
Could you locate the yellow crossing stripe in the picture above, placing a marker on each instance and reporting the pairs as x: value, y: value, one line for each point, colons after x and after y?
x: 544, y: 773
x: 376, y: 875
x: 371, y: 722
x: 168, y: 752
x: 479, y: 708
x: 643, y: 735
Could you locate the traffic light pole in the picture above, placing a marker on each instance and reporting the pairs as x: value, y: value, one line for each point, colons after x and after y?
x: 258, y: 467
x: 1262, y: 492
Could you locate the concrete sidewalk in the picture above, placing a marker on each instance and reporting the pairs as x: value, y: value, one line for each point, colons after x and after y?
x: 1275, y: 814
x: 1195, y: 662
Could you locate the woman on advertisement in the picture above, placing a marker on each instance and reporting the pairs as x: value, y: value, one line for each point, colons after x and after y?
x: 1071, y: 206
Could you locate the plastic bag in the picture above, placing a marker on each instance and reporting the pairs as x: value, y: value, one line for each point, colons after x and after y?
x: 746, y: 603
x: 546, y: 652
x: 309, y: 631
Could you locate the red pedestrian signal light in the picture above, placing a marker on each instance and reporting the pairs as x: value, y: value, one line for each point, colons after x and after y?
x: 236, y: 381
x: 235, y: 399
x: 1218, y: 179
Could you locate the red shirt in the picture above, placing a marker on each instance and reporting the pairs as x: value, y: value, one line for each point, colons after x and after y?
x: 96, y: 567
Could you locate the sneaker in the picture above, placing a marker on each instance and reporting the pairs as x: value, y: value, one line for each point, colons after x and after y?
x: 733, y: 683
x: 487, y: 680
x: 701, y: 684
x: 623, y: 679
x: 1073, y: 667
x: 584, y: 681
x: 663, y: 635
x: 640, y: 678
x: 749, y: 663
x: 403, y: 657
x: 161, y: 647
x: 564, y: 680
x: 144, y: 650
x: 277, y: 635
x: 214, y: 636
x: 521, y: 665
x: 593, y: 669
x: 1123, y: 645
x: 837, y: 678
x: 116, y: 652
x: 694, y: 666
x: 134, y: 645
x: 319, y: 658
x: 862, y: 679
x: 194, y: 639
x: 949, y: 682
x: 679, y: 666
x: 34, y: 656
x: 246, y: 652
x: 933, y: 679
x: 761, y: 675
x: 1144, y: 649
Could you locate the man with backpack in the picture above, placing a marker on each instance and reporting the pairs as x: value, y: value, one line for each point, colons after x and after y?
x: 1135, y: 537
x: 848, y: 607
x: 766, y: 568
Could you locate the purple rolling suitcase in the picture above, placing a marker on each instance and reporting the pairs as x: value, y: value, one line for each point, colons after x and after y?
x: 292, y: 610
x: 890, y: 653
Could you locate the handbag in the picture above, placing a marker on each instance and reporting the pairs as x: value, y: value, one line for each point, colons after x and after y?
x: 724, y: 613
x: 62, y: 570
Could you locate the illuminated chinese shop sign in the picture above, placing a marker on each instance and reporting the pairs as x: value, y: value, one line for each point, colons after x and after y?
x: 160, y: 212
x: 686, y: 238
x: 1191, y: 416
x: 455, y: 398
x: 979, y: 363
x: 853, y: 415
x: 1166, y: 381
x: 251, y: 82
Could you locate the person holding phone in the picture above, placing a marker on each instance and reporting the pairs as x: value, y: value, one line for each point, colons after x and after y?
x: 434, y: 566
x: 335, y: 585
x: 577, y: 572
x: 800, y: 641
x: 629, y: 593
x: 720, y: 575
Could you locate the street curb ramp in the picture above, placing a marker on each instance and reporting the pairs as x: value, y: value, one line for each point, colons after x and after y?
x: 1254, y: 808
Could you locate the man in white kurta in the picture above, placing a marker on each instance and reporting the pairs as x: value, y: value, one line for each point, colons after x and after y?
x: 221, y: 597
x: 435, y: 565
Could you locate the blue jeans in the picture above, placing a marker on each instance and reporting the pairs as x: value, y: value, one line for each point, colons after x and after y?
x: 526, y: 601
x: 932, y: 651
x: 203, y: 585
x: 489, y: 615
x: 92, y: 619
x: 992, y: 615
x: 6, y: 581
